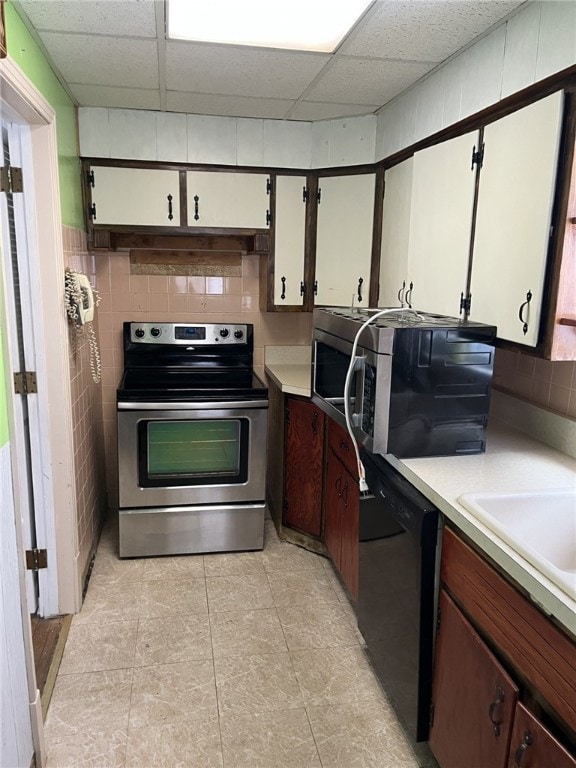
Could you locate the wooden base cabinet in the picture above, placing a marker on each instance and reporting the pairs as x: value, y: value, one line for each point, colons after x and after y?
x: 302, y: 506
x: 533, y: 746
x: 473, y: 700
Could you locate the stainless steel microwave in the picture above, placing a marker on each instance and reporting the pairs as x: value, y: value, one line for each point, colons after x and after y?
x: 421, y: 383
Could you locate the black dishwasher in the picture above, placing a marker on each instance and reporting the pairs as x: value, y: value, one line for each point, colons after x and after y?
x: 397, y: 590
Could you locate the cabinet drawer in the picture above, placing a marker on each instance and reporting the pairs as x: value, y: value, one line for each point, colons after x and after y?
x: 540, y: 652
x: 341, y: 443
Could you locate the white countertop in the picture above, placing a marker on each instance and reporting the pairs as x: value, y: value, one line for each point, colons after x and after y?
x: 513, y: 462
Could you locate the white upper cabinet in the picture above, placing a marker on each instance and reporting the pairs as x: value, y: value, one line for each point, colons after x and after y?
x: 517, y: 184
x: 441, y: 211
x: 289, y: 240
x: 136, y: 196
x: 395, y: 233
x: 233, y: 200
x: 344, y: 240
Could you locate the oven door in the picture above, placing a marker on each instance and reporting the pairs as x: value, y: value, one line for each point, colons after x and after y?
x: 173, y: 454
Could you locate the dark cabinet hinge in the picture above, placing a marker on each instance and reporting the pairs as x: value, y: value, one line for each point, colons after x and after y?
x: 477, y: 156
x: 304, y: 194
x: 438, y: 620
x: 90, y: 178
x: 287, y: 414
x: 25, y: 383
x: 92, y: 211
x: 268, y: 186
x: 319, y: 196
x: 36, y: 559
x: 285, y: 505
x: 268, y: 218
x: 465, y: 303
x: 11, y: 179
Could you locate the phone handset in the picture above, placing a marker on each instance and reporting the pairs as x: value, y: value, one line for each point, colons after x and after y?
x: 81, y: 299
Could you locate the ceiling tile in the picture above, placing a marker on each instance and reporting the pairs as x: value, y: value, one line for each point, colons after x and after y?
x: 132, y: 18
x: 240, y: 71
x: 367, y: 81
x: 108, y: 96
x: 234, y: 106
x: 100, y: 60
x: 428, y: 30
x: 318, y: 110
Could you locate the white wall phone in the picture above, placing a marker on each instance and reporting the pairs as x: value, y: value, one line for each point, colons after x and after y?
x: 81, y: 299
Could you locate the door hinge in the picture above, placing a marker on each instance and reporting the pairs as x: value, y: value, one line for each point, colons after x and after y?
x: 304, y: 194
x: 25, y: 383
x: 36, y: 559
x: 477, y: 156
x: 285, y: 505
x: 90, y: 178
x: 465, y: 303
x: 268, y: 186
x: 287, y: 414
x: 438, y: 620
x: 11, y: 179
x: 319, y: 196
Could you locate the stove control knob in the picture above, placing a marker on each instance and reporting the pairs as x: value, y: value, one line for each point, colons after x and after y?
x: 155, y: 332
x: 139, y: 333
x: 238, y: 334
x: 224, y: 332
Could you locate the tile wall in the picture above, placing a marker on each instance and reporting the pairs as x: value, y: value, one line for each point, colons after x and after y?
x: 544, y: 383
x: 126, y: 297
x: 86, y: 417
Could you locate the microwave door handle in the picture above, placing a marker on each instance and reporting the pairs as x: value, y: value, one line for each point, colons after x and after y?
x: 356, y: 411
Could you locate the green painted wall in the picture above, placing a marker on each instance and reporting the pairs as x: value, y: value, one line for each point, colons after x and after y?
x: 26, y: 53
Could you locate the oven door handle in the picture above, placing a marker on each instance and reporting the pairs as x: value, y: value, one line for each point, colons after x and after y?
x: 193, y: 406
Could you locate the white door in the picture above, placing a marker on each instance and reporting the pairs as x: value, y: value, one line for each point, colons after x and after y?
x: 136, y: 196
x: 344, y: 240
x: 517, y: 184
x: 441, y: 224
x: 395, y: 233
x: 289, y: 240
x: 234, y: 200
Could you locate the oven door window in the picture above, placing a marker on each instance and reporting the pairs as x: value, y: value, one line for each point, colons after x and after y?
x: 193, y: 452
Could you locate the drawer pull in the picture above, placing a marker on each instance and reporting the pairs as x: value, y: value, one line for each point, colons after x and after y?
x: 495, y: 711
x: 344, y: 446
x: 528, y: 741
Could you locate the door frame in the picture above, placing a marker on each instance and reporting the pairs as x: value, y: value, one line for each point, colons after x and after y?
x: 60, y: 587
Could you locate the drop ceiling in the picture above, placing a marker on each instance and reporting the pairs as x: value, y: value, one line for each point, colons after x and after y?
x: 114, y: 53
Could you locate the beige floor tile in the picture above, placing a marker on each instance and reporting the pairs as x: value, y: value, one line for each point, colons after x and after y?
x: 163, y: 568
x: 250, y: 684
x: 361, y: 735
x: 110, y: 570
x: 99, y: 646
x: 270, y: 532
x: 173, y: 693
x: 172, y: 639
x: 233, y: 564
x: 335, y: 676
x: 301, y: 588
x: 323, y: 625
x: 250, y: 591
x: 89, y: 704
x: 269, y: 740
x: 281, y: 556
x: 246, y: 633
x: 183, y: 745
x: 106, y: 749
x: 113, y: 602
x: 173, y: 598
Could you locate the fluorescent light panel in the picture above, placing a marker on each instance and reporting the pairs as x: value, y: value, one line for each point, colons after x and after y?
x: 302, y: 25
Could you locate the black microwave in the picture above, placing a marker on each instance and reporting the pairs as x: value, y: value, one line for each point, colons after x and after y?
x: 420, y: 384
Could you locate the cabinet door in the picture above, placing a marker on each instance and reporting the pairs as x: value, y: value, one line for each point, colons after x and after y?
x: 333, y: 507
x: 533, y: 746
x: 395, y: 232
x: 350, y: 507
x: 136, y: 196
x: 441, y: 211
x: 289, y: 235
x: 473, y: 697
x: 234, y: 200
x: 344, y: 240
x: 515, y: 200
x: 304, y: 462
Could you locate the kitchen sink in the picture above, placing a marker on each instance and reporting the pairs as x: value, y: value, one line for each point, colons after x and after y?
x: 539, y: 525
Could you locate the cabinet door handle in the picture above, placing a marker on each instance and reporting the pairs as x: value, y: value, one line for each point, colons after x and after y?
x: 401, y: 292
x: 408, y: 296
x: 495, y: 711
x: 344, y: 446
x: 528, y: 741
x: 315, y: 423
x: 196, y: 206
x: 283, y: 294
x: 521, y: 317
x: 360, y: 281
x: 170, y: 215
x: 338, y: 485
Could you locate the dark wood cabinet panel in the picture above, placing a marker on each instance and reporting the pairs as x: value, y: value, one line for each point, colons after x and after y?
x: 533, y: 746
x: 473, y: 697
x: 332, y: 510
x: 341, y: 443
x: 341, y: 515
x: 304, y: 462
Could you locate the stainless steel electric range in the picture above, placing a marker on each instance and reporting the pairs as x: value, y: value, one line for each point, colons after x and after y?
x: 192, y: 428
